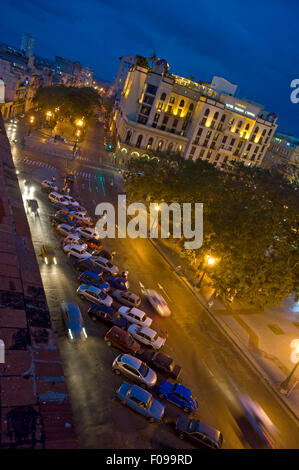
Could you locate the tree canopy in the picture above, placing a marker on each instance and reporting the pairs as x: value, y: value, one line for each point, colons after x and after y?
x: 70, y: 102
x: 250, y: 222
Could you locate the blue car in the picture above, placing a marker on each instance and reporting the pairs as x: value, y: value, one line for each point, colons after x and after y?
x: 141, y: 401
x: 94, y: 279
x: 119, y: 282
x: 177, y: 394
x: 73, y: 321
x: 82, y: 265
x: 107, y: 315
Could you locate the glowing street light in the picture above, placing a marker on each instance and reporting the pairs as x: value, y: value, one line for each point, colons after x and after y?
x: 78, y: 133
x: 49, y: 114
x: 79, y: 123
x: 31, y: 120
x: 157, y: 207
x: 210, y: 261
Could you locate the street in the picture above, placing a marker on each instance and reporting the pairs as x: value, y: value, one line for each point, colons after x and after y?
x: 211, y: 366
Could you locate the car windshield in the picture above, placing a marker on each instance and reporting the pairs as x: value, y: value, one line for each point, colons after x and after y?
x: 143, y: 369
x: 142, y: 318
x: 155, y: 337
x: 109, y: 265
x: 192, y: 426
x: 102, y: 295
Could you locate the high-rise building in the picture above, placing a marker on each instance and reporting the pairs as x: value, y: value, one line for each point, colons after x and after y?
x: 27, y: 44
x: 160, y: 111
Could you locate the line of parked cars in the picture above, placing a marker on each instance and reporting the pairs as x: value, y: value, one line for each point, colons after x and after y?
x: 130, y: 328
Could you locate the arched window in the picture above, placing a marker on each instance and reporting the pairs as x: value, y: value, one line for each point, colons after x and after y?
x: 170, y: 147
x: 207, y: 112
x: 223, y: 118
x: 239, y: 124
x: 128, y: 137
x: 163, y: 96
x: 216, y: 115
x: 256, y: 130
x: 150, y: 143
x: 182, y: 103
x: 191, y: 107
x: 139, y: 140
x: 160, y: 145
x: 247, y: 127
x: 264, y: 132
x: 172, y: 99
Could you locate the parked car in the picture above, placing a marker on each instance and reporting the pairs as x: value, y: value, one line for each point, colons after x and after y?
x: 87, y: 265
x: 200, y: 434
x: 61, y: 219
x: 88, y: 232
x: 105, y: 265
x: 134, y: 315
x: 94, y: 295
x: 65, y: 229
x: 77, y: 251
x: 93, y: 244
x: 146, y: 336
x: 73, y: 239
x: 48, y: 254
x: 65, y: 213
x: 119, y: 282
x: 177, y: 394
x: 49, y: 186
x: 71, y: 200
x: 94, y: 279
x: 55, y: 197
x: 134, y: 369
x: 141, y: 401
x: 158, y: 302
x: 162, y: 363
x: 107, y: 315
x: 82, y: 218
x: 122, y: 340
x: 103, y: 254
x: 73, y: 321
x: 125, y: 297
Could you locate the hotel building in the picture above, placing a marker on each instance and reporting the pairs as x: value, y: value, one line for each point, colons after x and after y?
x: 283, y: 153
x: 160, y: 111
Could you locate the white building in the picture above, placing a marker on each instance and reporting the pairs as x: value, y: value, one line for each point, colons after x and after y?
x: 162, y: 111
x: 123, y: 69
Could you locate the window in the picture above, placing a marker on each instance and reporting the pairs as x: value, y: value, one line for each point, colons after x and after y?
x: 169, y: 109
x: 207, y: 112
x: 209, y: 154
x: 199, y: 132
x: 150, y: 143
x: 179, y: 112
x: 201, y: 154
x: 232, y: 141
x: 148, y: 99
x: 192, y: 150
x: 175, y: 122
x: 165, y: 120
x: 249, y: 147
x: 264, y: 132
x: 139, y: 140
x: 128, y: 137
x: 160, y: 105
x: 172, y: 100
x: 142, y: 119
x: 223, y: 118
x: 203, y: 121
x: 247, y: 127
x: 191, y: 107
x: 224, y: 139
x: 216, y: 115
x: 180, y: 148
x: 160, y: 145
x: 182, y: 103
x: 145, y: 110
x: 269, y: 133
x: 151, y: 89
x: 240, y: 124
x: 156, y: 118
x: 163, y: 96
x: 170, y: 147
x: 217, y: 157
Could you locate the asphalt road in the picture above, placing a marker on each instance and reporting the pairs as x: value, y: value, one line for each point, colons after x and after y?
x: 211, y: 366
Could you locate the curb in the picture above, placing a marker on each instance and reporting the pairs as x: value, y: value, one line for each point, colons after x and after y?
x: 228, y: 334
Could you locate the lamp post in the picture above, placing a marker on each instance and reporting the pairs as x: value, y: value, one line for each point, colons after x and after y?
x: 295, y: 359
x: 210, y: 260
x: 31, y: 121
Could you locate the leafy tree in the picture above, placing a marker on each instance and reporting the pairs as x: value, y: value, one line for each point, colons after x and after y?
x: 250, y: 222
x: 142, y: 61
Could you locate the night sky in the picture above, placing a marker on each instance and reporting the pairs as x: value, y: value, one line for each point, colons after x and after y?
x: 253, y: 44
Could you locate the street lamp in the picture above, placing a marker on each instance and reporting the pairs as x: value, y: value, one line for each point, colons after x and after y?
x: 79, y: 123
x: 157, y: 209
x: 210, y: 261
x: 49, y: 114
x: 31, y: 120
x: 295, y: 359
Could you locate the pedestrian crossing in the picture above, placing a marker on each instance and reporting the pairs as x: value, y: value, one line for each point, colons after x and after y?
x: 38, y: 164
x: 78, y: 174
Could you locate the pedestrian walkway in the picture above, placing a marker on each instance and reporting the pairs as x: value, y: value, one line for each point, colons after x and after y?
x: 264, y: 337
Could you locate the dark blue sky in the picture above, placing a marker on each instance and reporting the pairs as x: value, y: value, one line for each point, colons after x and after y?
x: 253, y: 44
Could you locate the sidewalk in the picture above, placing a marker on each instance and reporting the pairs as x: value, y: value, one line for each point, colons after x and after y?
x: 264, y: 337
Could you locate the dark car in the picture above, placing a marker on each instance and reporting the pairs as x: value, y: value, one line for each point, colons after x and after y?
x: 122, y: 340
x: 107, y: 315
x: 103, y: 254
x: 94, y: 244
x: 32, y: 206
x: 119, y: 282
x: 48, y: 254
x: 70, y: 178
x: 82, y: 265
x: 73, y: 321
x: 200, y: 434
x: 61, y: 219
x: 162, y: 362
x: 94, y: 279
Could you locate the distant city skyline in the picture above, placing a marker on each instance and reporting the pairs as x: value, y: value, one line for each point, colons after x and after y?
x: 249, y: 47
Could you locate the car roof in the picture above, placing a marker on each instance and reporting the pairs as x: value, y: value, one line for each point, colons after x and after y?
x: 163, y: 359
x: 136, y: 311
x: 207, y: 430
x: 93, y: 289
x: 182, y: 390
x: 94, y: 276
x: 66, y: 226
x: 78, y: 247
x: 140, y: 393
x: 148, y: 331
x: 130, y: 360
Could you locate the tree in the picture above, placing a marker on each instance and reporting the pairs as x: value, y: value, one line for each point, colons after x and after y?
x: 142, y: 61
x: 250, y: 223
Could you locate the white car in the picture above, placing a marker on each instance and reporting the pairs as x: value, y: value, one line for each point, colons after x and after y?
x: 134, y: 315
x: 74, y: 239
x: 55, y: 197
x: 50, y: 185
x: 88, y: 233
x: 147, y: 336
x: 81, y: 217
x: 64, y: 229
x: 104, y: 264
x: 94, y: 295
x: 157, y: 302
x: 71, y: 200
x: 77, y: 251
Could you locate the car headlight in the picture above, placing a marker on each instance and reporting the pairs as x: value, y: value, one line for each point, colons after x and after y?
x: 84, y: 332
x: 46, y: 260
x: 55, y: 261
x: 70, y: 334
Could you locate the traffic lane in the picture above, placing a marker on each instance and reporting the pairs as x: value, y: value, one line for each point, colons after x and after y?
x: 200, y: 346
x: 87, y: 366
